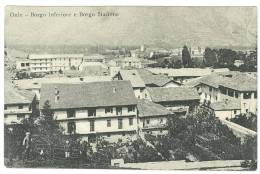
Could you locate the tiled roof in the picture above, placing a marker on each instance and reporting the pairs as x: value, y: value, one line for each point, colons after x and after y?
x: 226, y: 105
x: 150, y: 78
x: 95, y: 94
x: 14, y: 96
x: 187, y: 72
x: 159, y: 94
x: 235, y: 80
x: 148, y: 109
x: 133, y: 76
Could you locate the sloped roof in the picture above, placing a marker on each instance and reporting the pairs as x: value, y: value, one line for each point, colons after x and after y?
x: 159, y: 94
x: 235, y: 80
x: 133, y: 76
x: 147, y: 108
x: 150, y: 78
x: 186, y: 72
x: 95, y: 94
x: 226, y: 105
x: 14, y: 96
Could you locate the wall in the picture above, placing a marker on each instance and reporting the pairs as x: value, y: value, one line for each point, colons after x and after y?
x: 227, y: 114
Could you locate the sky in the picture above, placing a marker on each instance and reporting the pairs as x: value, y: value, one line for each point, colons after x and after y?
x: 132, y: 26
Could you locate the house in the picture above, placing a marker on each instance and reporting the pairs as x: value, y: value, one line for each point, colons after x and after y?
x: 35, y: 84
x: 156, y: 80
x: 226, y: 109
x: 180, y: 100
x: 219, y: 87
x: 152, y: 117
x: 184, y: 75
x: 107, y: 109
x: 136, y: 82
x: 18, y: 105
x: 94, y: 58
x: 238, y: 63
x: 51, y: 63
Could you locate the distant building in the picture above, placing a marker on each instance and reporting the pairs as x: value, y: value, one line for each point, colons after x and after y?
x: 107, y: 109
x: 94, y: 58
x: 45, y: 63
x: 18, y: 105
x: 153, y: 117
x: 22, y: 64
x: 129, y: 62
x: 180, y: 100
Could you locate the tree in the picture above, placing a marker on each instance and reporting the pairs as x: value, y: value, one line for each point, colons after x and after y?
x: 210, y: 57
x: 186, y: 58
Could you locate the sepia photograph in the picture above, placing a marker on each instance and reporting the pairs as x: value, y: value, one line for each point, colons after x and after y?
x: 130, y: 87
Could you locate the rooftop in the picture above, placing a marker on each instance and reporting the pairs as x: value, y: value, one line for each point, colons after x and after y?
x: 85, y: 95
x: 134, y: 77
x: 14, y: 96
x: 148, y: 109
x: 156, y: 79
x: 234, y: 80
x: 226, y: 105
x: 53, y: 56
x: 186, y: 72
x: 159, y: 94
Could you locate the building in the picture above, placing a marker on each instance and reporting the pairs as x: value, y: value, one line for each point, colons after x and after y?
x: 22, y: 64
x: 51, y: 63
x: 94, y: 58
x: 129, y: 62
x: 156, y: 80
x: 238, y: 63
x: 180, y: 100
x: 152, y: 117
x: 184, y: 75
x: 226, y: 109
x: 35, y: 84
x: 18, y: 105
x: 232, y: 85
x: 136, y: 82
x: 107, y: 109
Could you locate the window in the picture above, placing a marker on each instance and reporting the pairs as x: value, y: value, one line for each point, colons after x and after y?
x: 120, y: 124
x: 131, y: 121
x: 148, y: 121
x: 27, y: 64
x: 235, y: 112
x: 5, y: 107
x: 91, y: 112
x: 236, y: 94
x: 216, y: 98
x: 161, y: 120
x: 92, y: 125
x: 118, y: 110
x: 255, y: 94
x: 210, y: 89
x: 231, y: 93
x: 108, y: 110
x: 22, y: 64
x: 108, y: 123
x: 19, y: 116
x: 131, y: 108
x: 247, y: 95
x: 20, y: 107
x: 71, y: 127
x: 70, y: 113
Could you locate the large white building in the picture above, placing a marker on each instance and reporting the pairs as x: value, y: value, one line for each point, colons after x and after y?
x: 107, y: 109
x: 43, y: 63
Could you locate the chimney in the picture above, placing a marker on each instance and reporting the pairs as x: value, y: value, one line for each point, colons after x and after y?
x: 57, y: 96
